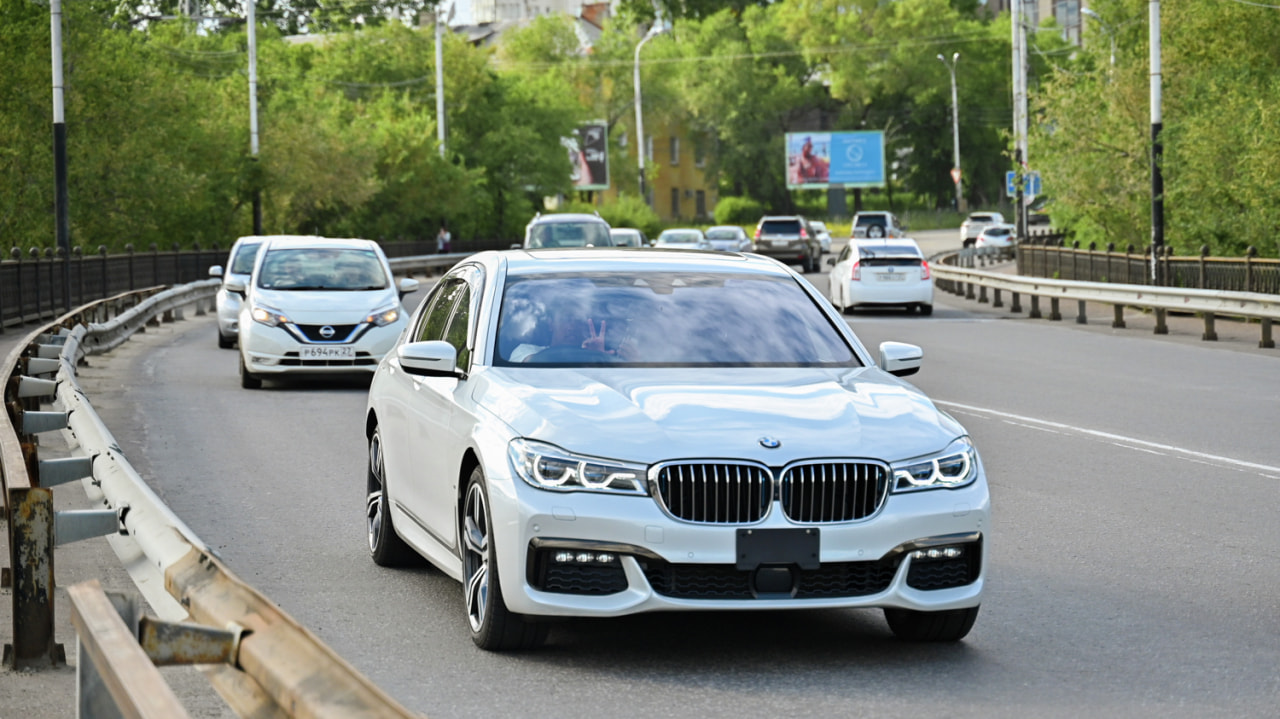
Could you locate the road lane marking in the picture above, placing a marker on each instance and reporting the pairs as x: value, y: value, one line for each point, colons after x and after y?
x: 1119, y: 440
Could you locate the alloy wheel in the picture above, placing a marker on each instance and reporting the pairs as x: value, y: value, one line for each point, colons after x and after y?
x: 375, y: 509
x: 475, y: 538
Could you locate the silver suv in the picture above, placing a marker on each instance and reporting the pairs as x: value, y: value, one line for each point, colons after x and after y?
x: 877, y: 225
x: 790, y: 239
x: 567, y: 230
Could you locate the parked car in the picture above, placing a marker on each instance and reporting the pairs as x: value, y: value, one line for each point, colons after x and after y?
x: 789, y: 239
x: 226, y: 302
x: 876, y: 225
x: 628, y: 237
x: 1002, y: 235
x: 1038, y: 212
x: 881, y: 273
x: 597, y: 434
x: 824, y: 235
x: 569, y: 229
x: 973, y: 224
x: 316, y: 306
x: 683, y: 238
x: 729, y: 238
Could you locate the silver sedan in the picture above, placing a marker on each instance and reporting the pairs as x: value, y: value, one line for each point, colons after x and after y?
x: 594, y: 434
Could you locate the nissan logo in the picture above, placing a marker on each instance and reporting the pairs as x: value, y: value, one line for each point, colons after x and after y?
x: 327, y: 332
x: 770, y: 443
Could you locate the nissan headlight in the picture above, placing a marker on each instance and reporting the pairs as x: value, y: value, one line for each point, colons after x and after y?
x: 547, y: 466
x: 268, y: 316
x: 956, y: 466
x: 383, y: 317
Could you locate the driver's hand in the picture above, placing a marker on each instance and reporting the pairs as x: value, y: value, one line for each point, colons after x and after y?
x: 594, y: 341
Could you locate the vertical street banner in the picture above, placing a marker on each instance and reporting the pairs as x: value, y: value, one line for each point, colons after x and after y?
x: 818, y: 160
x: 589, y: 156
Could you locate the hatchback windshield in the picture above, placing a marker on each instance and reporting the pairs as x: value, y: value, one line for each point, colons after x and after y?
x: 714, y: 234
x: 569, y: 234
x: 665, y: 319
x: 318, y: 268
x: 242, y: 264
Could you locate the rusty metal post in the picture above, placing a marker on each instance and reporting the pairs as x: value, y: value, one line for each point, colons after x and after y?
x: 1266, y: 342
x: 1210, y: 335
x: 1017, y: 304
x: 31, y: 561
x: 1054, y: 313
x: 1082, y: 318
x: 1161, y: 327
x: 1118, y: 321
x: 995, y: 299
x: 1035, y: 308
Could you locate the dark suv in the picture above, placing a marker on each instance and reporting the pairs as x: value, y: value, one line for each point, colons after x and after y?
x: 567, y: 230
x: 789, y: 239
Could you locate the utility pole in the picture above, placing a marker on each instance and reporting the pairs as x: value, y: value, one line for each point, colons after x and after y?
x: 1019, y: 115
x: 253, y: 112
x: 654, y: 31
x: 1157, y: 151
x: 62, y: 213
x: 955, y: 129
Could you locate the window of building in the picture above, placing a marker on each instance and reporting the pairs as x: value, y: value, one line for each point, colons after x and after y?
x: 675, y: 202
x: 700, y: 203
x: 675, y: 151
x: 648, y: 148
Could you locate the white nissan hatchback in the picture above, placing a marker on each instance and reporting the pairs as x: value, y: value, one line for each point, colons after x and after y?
x: 318, y: 306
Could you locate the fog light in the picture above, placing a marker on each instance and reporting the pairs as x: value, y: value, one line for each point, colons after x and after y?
x: 584, y: 557
x: 938, y: 553
x: 605, y: 558
x: 564, y: 557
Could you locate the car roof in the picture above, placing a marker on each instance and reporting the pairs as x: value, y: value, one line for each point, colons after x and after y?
x: 893, y: 248
x: 567, y: 217
x: 576, y: 259
x: 725, y: 227
x: 281, y: 241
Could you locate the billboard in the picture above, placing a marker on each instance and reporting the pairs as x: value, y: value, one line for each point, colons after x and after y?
x: 589, y: 156
x: 818, y: 160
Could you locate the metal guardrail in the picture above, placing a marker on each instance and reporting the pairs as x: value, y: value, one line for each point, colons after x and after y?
x: 1209, y: 304
x: 266, y: 663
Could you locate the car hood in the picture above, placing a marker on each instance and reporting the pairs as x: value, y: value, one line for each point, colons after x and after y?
x: 649, y: 415
x: 335, y: 307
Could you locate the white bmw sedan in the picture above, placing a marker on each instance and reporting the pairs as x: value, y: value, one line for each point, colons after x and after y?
x: 316, y: 306
x: 597, y: 433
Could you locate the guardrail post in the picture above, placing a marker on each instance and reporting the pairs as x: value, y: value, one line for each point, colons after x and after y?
x: 1081, y: 317
x: 1054, y: 314
x: 1161, y: 327
x: 1210, y: 335
x: 1249, y: 254
x: 982, y: 294
x: 1017, y: 305
x: 31, y: 561
x: 1118, y: 321
x: 1035, y: 308
x: 1204, y: 254
x: 995, y: 300
x: 1266, y: 342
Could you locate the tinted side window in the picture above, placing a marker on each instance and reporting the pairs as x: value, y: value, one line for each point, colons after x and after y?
x: 432, y: 324
x: 456, y: 334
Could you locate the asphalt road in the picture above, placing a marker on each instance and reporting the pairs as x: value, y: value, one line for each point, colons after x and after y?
x: 1134, y: 483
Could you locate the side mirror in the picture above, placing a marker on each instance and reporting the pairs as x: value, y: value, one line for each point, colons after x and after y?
x: 436, y: 358
x: 215, y: 271
x: 407, y: 285
x: 516, y: 246
x: 234, y: 285
x: 900, y: 359
x: 831, y: 261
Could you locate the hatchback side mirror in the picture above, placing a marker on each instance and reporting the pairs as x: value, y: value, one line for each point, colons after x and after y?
x: 900, y: 359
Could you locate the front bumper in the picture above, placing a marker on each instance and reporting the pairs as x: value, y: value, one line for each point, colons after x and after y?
x: 658, y: 563
x: 275, y: 351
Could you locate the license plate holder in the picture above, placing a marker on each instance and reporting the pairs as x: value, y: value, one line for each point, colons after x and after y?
x: 892, y: 276
x: 799, y: 546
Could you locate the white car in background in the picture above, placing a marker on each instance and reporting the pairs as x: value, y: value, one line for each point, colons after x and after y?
x: 1002, y: 235
x: 317, y: 306
x: 824, y: 235
x: 973, y: 224
x: 227, y: 303
x: 698, y: 432
x: 881, y: 273
x: 690, y: 238
x: 729, y: 238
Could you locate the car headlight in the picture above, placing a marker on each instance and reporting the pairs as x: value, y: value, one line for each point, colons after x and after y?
x: 268, y: 316
x: 954, y: 467
x: 383, y: 317
x: 547, y: 466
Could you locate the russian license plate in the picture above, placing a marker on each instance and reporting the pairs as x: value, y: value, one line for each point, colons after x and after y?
x: 327, y: 352
x: 778, y: 243
x: 892, y: 276
x: 778, y: 546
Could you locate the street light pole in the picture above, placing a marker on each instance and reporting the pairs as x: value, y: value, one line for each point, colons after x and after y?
x: 955, y: 128
x: 1157, y: 149
x: 62, y: 212
x: 253, y: 111
x: 654, y: 31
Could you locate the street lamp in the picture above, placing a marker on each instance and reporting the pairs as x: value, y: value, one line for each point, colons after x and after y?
x: 654, y: 31
x: 440, y: 27
x: 1106, y: 27
x: 955, y: 127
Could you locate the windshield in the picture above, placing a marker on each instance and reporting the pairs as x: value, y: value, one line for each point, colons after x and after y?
x: 569, y: 234
x: 681, y: 237
x: 312, y: 268
x: 714, y: 234
x: 665, y: 319
x: 865, y: 220
x: 242, y: 263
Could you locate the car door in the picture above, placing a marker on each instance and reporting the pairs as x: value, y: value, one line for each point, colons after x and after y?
x: 419, y: 427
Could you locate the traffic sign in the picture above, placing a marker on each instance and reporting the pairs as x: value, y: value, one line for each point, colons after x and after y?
x: 1030, y: 184
x: 1010, y: 188
x: 955, y: 175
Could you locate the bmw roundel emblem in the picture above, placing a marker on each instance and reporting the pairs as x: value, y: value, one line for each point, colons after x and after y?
x: 327, y: 332
x: 770, y: 443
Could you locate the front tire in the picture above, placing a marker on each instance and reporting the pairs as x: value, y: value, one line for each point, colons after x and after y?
x: 247, y: 379
x: 946, y: 626
x: 385, y: 546
x: 493, y: 626
x: 225, y: 342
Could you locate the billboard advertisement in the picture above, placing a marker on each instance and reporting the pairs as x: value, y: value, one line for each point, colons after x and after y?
x: 589, y: 156
x: 818, y: 160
